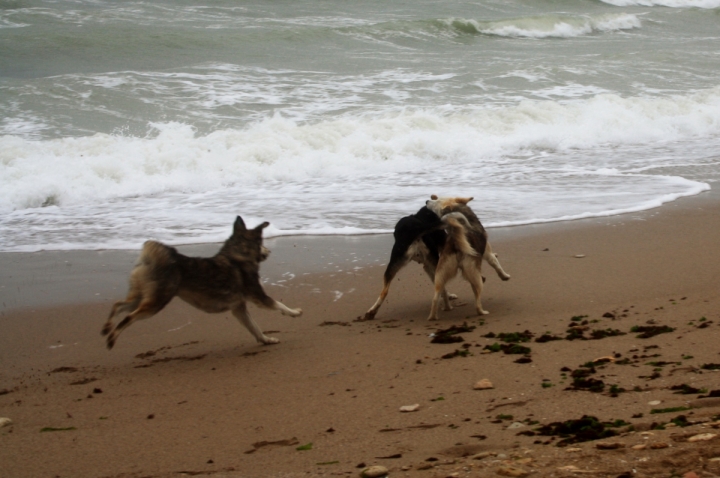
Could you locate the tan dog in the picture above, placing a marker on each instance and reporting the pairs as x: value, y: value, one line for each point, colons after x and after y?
x: 465, y: 248
x: 215, y: 284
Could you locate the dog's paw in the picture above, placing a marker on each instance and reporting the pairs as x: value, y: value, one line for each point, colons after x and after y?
x: 106, y: 329
x: 269, y: 340
x: 110, y: 342
x: 369, y: 315
x: 295, y: 312
x: 482, y: 312
x: 432, y: 319
x: 505, y: 277
x: 452, y: 296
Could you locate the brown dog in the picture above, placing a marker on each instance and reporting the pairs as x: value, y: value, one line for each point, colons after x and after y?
x: 215, y: 284
x: 465, y: 248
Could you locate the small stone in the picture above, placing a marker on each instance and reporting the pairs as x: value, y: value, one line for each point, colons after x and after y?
x: 658, y: 445
x: 715, y: 460
x: 573, y: 450
x: 568, y: 468
x: 481, y: 455
x: 670, y: 425
x: 453, y: 475
x: 639, y: 447
x: 511, y: 471
x: 4, y: 422
x: 406, y: 468
x: 483, y: 384
x: 515, y: 426
x: 655, y: 402
x: 425, y: 466
x: 579, y: 256
x: 375, y: 471
x: 410, y: 408
x: 702, y: 437
x: 690, y: 474
x: 609, y: 446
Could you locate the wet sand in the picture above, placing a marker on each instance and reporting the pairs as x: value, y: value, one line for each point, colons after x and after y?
x: 187, y: 392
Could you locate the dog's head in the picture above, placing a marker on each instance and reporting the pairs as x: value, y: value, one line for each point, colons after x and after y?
x: 442, y: 206
x: 247, y: 244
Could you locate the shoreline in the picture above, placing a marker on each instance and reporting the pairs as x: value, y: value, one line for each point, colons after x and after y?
x: 192, y: 393
x: 53, y: 278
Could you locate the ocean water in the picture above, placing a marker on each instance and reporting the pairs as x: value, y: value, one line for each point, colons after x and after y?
x: 127, y: 120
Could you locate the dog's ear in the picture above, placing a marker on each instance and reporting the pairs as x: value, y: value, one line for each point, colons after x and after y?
x: 262, y: 226
x: 239, y: 225
x: 434, y: 197
x: 464, y: 200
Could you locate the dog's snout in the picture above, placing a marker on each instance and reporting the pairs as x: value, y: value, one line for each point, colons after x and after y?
x: 426, y: 202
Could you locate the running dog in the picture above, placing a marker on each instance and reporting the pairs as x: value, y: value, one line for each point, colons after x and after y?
x: 418, y: 237
x: 226, y: 281
x: 464, y: 249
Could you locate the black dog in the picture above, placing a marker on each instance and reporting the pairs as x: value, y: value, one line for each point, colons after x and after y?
x: 419, y: 237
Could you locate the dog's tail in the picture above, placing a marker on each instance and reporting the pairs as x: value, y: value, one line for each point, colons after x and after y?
x: 457, y: 225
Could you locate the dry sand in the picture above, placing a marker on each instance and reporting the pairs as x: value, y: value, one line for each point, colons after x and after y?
x: 191, y: 394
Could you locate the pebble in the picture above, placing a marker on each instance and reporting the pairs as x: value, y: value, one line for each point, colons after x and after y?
x: 690, y: 474
x: 659, y: 445
x: 655, y: 402
x: 483, y: 384
x: 4, y: 422
x: 410, y: 408
x: 375, y: 471
x: 702, y: 437
x: 511, y: 471
x: 481, y: 455
x: 579, y: 256
x: 609, y: 446
x: 639, y: 447
x: 515, y: 425
x: 573, y: 450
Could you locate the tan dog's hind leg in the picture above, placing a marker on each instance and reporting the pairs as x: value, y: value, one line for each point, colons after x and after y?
x: 472, y: 274
x: 445, y: 296
x: 446, y: 270
x: 241, y: 313
x: 492, y: 259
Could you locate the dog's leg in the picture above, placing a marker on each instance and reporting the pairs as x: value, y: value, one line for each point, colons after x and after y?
x: 145, y: 310
x: 396, y: 263
x: 492, y: 259
x: 258, y: 296
x: 241, y: 313
x: 446, y: 270
x: 118, y: 308
x: 472, y: 274
x: 430, y: 271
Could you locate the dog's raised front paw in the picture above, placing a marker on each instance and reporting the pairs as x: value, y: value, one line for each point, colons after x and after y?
x: 295, y: 312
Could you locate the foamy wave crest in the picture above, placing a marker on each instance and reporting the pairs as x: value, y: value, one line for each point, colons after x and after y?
x: 549, y: 26
x: 709, y: 4
x: 174, y: 159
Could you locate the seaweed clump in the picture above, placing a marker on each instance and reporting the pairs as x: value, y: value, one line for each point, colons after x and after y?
x: 587, y: 428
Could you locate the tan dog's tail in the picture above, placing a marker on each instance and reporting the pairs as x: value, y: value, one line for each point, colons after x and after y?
x: 457, y: 225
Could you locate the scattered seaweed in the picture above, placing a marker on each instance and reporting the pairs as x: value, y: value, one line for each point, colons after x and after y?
x: 450, y: 335
x: 587, y: 428
x: 547, y: 338
x: 647, y: 331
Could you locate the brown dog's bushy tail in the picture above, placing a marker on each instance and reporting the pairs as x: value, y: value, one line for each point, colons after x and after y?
x: 457, y: 225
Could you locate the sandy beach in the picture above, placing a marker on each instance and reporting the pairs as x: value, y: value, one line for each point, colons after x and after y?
x: 191, y: 394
